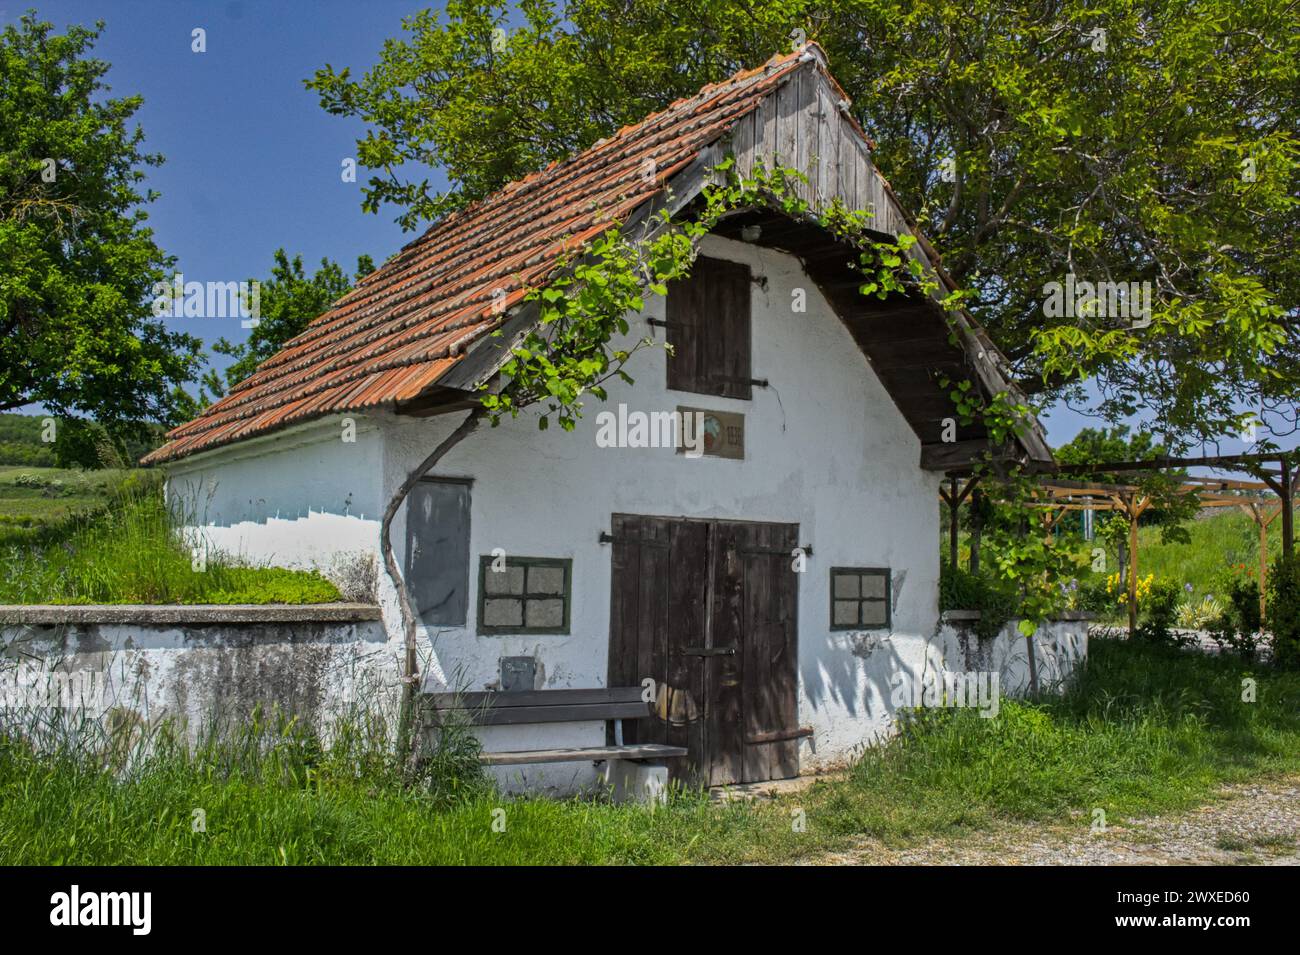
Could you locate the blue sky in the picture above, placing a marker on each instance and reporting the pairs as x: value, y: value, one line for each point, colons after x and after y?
x: 253, y: 162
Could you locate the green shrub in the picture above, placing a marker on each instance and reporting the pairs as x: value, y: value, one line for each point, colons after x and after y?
x: 1283, y: 608
x: 1159, y: 612
x: 1231, y: 638
x: 1243, y: 596
x: 1095, y: 597
x: 961, y: 590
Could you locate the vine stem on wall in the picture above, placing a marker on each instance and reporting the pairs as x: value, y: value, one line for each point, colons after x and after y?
x: 410, y: 669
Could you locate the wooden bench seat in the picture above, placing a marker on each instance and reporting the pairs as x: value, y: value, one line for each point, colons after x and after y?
x: 524, y: 707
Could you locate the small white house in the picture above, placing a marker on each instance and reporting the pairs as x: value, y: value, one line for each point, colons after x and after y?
x: 753, y: 525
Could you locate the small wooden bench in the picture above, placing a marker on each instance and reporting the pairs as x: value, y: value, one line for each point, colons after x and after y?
x: 523, y: 707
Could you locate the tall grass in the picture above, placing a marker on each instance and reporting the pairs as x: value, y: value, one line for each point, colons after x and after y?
x: 1144, y: 728
x: 132, y: 551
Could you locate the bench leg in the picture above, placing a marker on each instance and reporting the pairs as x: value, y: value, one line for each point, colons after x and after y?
x: 637, y: 781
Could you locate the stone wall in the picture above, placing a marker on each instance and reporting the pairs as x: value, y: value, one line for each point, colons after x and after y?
x: 198, y: 663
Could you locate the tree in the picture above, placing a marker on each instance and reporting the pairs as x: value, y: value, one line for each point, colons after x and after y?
x: 288, y: 301
x: 1110, y: 140
x: 21, y: 444
x: 1102, y: 445
x: 77, y: 262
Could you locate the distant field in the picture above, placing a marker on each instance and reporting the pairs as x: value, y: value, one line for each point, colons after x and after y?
x: 34, y: 499
x: 1220, y: 540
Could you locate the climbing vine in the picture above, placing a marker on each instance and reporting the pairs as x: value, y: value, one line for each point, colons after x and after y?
x: 578, y: 343
x: 1025, y: 554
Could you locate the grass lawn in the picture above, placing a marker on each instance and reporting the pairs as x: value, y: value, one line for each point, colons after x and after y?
x: 81, y: 537
x: 1146, y: 729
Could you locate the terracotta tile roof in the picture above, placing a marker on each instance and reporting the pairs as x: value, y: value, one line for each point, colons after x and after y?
x: 404, y: 325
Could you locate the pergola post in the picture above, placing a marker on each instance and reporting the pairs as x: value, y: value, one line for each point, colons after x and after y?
x: 1262, y: 518
x: 1263, y: 565
x: 1286, y: 491
x: 954, y: 517
x: 953, y: 498
x: 1133, y: 508
x: 1132, y: 569
x: 976, y: 529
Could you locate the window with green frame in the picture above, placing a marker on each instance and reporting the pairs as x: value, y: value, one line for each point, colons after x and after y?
x: 524, y: 594
x: 860, y: 598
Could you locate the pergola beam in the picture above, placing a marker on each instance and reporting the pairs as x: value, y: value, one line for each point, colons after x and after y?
x: 1283, y: 481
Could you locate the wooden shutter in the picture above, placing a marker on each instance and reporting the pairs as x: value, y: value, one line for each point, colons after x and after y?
x: 437, y: 551
x: 709, y: 328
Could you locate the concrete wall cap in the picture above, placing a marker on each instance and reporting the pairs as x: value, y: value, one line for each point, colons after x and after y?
x: 142, y: 614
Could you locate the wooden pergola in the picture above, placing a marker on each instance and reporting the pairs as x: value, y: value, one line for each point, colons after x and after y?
x: 1273, y: 495
x: 1277, y: 471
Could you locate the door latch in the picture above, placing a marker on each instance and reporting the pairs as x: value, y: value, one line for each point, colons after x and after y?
x: 709, y: 651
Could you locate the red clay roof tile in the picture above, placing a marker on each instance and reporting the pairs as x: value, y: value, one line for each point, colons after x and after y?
x: 407, y: 323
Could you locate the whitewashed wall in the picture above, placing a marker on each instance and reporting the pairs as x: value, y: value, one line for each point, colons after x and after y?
x: 199, y: 671
x: 307, y: 498
x: 825, y: 448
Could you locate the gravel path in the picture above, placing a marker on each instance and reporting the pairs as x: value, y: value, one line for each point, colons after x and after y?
x: 1256, y: 824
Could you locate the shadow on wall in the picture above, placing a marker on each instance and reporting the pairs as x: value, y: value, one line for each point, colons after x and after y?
x: 857, y: 666
x: 864, y: 672
x: 333, y: 540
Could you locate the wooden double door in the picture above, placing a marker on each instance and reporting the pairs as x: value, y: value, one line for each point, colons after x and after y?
x: 708, y: 611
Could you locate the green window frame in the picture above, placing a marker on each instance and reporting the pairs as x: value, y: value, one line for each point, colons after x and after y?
x: 530, y: 595
x: 861, y: 598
